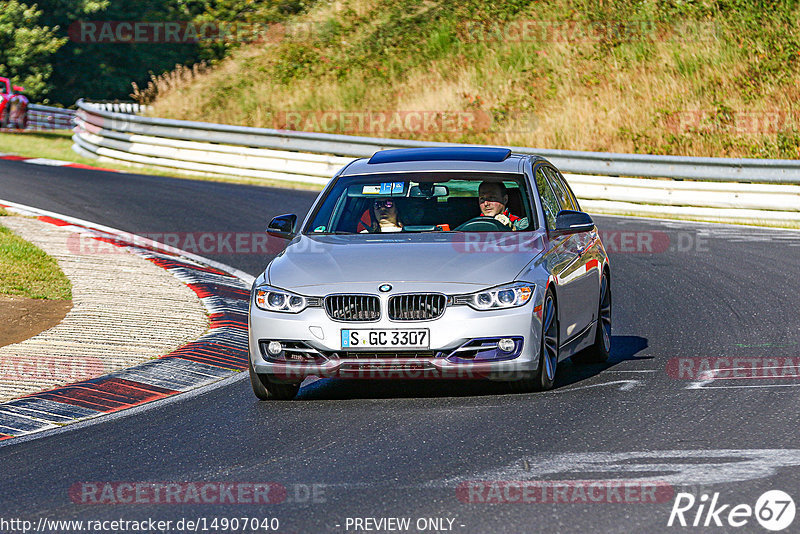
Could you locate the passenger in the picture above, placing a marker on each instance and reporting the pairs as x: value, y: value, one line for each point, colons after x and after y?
x: 492, y: 201
x: 385, y: 217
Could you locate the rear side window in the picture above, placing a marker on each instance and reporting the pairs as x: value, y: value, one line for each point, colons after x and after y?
x: 566, y: 200
x: 550, y: 203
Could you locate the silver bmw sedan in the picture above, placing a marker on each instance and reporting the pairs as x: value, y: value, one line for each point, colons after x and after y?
x: 455, y: 263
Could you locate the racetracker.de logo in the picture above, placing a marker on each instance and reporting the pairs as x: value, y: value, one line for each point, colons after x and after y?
x: 739, y: 122
x: 395, y: 369
x: 152, y: 32
x: 614, y: 241
x: 112, y: 493
x: 202, y: 243
x: 64, y: 370
x: 395, y: 122
x: 564, y: 492
x: 586, y: 31
x: 721, y: 368
x: 498, y: 243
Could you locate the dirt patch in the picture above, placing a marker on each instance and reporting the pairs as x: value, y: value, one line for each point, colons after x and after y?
x: 22, y: 318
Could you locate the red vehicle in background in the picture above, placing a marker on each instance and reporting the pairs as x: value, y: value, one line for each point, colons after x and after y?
x: 13, y: 105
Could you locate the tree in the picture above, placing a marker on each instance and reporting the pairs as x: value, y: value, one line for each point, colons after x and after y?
x: 104, y: 71
x: 26, y: 48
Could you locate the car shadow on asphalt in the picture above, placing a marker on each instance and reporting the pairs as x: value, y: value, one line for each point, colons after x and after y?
x: 623, y: 348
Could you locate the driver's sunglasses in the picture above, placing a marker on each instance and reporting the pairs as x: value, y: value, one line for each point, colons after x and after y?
x: 384, y: 203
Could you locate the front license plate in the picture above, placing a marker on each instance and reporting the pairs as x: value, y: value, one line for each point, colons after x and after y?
x: 388, y: 339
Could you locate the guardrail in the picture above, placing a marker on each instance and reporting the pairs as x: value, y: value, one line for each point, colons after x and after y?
x: 131, y: 108
x: 53, y: 118
x: 49, y: 118
x: 309, y: 157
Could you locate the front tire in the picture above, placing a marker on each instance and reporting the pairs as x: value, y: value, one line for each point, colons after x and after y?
x: 548, y: 351
x: 601, y: 349
x: 266, y: 389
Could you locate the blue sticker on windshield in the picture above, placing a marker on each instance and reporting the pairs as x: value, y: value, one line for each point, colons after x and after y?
x: 397, y: 187
x: 386, y: 188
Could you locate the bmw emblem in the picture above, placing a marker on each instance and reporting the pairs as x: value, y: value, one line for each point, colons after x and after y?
x: 385, y: 288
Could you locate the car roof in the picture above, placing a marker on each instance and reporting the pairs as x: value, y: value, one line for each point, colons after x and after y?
x: 439, y: 159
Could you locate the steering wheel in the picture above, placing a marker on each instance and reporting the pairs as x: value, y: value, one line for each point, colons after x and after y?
x: 482, y: 224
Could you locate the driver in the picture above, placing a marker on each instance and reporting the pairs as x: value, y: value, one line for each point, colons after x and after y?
x: 492, y: 201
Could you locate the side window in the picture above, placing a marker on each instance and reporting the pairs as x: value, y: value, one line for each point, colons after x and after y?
x: 549, y: 201
x: 568, y: 190
x: 564, y: 197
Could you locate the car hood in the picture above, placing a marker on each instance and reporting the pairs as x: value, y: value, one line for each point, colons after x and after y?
x: 451, y: 261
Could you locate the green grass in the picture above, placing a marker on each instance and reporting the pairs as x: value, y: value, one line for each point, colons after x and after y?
x: 51, y: 145
x: 28, y: 271
x: 636, y: 84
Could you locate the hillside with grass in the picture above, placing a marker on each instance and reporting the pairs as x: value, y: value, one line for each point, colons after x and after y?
x: 702, y: 78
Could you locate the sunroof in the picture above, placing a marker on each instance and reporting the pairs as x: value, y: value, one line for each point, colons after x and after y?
x: 489, y: 154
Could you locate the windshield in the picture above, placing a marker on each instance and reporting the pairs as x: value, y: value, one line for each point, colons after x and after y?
x: 425, y: 202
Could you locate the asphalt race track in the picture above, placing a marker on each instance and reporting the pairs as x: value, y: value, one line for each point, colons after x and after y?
x: 685, y: 295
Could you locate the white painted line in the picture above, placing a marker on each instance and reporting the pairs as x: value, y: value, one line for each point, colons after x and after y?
x: 710, y: 376
x: 676, y: 467
x: 756, y: 377
x: 746, y: 386
x: 625, y: 385
x: 699, y: 384
x: 48, y: 162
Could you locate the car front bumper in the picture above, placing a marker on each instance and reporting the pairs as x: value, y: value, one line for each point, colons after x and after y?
x: 447, y: 357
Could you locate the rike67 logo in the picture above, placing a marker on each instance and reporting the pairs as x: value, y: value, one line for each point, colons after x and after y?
x: 774, y: 510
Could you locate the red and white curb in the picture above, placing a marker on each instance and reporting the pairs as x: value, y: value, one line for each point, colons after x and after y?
x: 223, y: 352
x: 53, y: 162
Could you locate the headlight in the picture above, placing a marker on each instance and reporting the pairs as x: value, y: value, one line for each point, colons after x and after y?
x: 279, y: 300
x: 506, y: 296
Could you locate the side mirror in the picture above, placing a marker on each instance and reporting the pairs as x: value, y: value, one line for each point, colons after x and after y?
x: 572, y: 222
x: 282, y: 226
